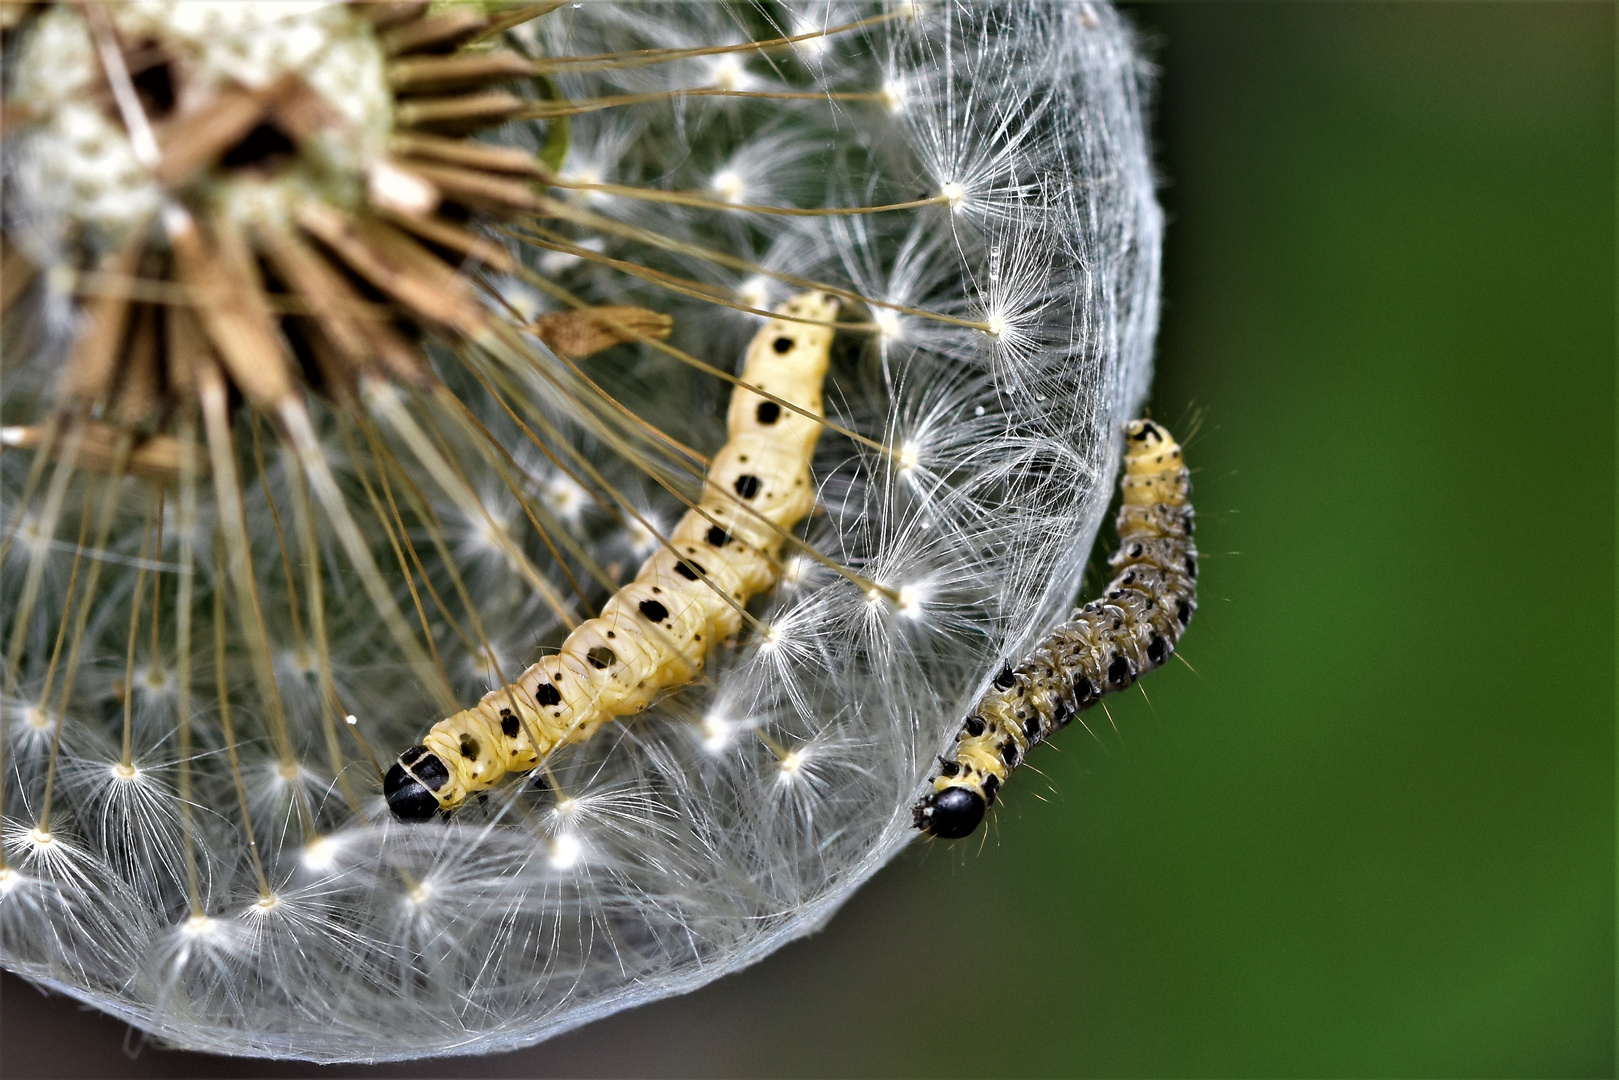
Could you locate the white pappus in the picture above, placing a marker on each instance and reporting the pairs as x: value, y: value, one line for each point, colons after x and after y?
x: 293, y: 582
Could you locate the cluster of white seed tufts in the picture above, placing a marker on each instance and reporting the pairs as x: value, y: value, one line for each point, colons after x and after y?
x: 78, y: 167
x: 199, y: 693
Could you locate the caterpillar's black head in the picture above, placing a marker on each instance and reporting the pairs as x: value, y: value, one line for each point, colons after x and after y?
x: 408, y: 797
x: 950, y: 814
x: 1145, y: 431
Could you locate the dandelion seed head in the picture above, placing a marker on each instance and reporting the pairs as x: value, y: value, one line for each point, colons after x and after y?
x: 489, y: 533
x: 794, y: 570
x: 889, y: 323
x: 717, y: 732
x: 728, y: 185
x: 487, y: 665
x: 585, y: 174
x: 566, y: 851
x: 643, y: 536
x: 554, y: 263
x: 729, y: 73
x: 894, y: 93
x: 755, y: 292
x: 320, y: 854
x: 467, y: 427
x: 157, y: 678
x: 524, y: 300
x: 298, y: 661
x: 31, y: 539
x: 811, y: 47
x: 566, y: 498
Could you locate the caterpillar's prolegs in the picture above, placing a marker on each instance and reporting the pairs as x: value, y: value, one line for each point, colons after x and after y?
x: 1104, y: 647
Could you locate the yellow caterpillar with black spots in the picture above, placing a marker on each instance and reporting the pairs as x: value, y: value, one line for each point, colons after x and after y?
x: 1103, y: 648
x: 654, y: 634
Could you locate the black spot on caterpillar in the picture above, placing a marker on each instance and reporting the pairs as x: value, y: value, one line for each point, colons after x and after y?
x: 1104, y: 647
x: 662, y: 624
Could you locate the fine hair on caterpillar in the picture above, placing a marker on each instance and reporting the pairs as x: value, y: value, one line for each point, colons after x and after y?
x: 1103, y: 647
x: 654, y: 633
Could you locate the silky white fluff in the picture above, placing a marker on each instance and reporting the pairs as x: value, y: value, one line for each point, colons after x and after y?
x: 738, y: 813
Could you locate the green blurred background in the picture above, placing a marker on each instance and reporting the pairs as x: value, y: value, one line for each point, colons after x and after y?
x: 1373, y: 835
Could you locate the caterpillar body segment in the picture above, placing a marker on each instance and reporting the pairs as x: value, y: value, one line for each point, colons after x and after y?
x: 654, y: 634
x: 1104, y: 647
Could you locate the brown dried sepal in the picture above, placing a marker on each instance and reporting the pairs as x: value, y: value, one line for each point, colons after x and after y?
x: 440, y: 74
x: 461, y: 113
x: 232, y: 308
x: 476, y: 188
x: 465, y: 244
x: 300, y: 111
x: 140, y: 384
x: 195, y: 141
x: 440, y: 32
x: 157, y: 457
x: 587, y: 331
x: 91, y: 368
x: 428, y: 288
x: 471, y: 155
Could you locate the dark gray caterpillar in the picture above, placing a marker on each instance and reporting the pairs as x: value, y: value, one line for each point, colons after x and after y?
x: 1103, y: 648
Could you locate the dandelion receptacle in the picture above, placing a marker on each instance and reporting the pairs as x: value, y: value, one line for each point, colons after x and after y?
x: 357, y: 357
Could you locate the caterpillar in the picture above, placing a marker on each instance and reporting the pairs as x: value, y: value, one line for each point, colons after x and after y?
x: 654, y: 633
x: 1104, y: 647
